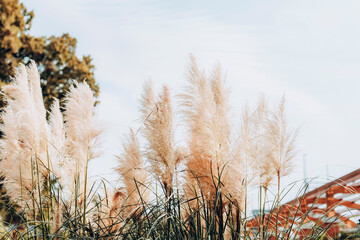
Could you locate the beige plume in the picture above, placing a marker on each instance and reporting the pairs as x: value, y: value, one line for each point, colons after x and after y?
x: 25, y: 139
x: 205, y: 109
x: 159, y: 133
x: 82, y: 133
x: 132, y: 169
x: 282, y: 142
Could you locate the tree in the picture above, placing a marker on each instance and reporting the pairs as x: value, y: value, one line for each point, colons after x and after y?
x: 57, y: 63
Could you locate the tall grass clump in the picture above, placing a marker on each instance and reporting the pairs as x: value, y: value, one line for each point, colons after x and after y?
x: 24, y: 147
x: 133, y: 170
x: 159, y: 134
x: 198, y: 189
x: 45, y: 163
x: 82, y: 132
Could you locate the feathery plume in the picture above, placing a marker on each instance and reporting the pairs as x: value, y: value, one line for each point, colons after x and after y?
x: 282, y: 148
x: 82, y: 136
x: 197, y: 110
x: 24, y: 145
x: 158, y: 131
x: 81, y: 129
x: 282, y: 142
x: 56, y: 139
x: 220, y: 119
x: 259, y: 145
x: 205, y: 110
x: 240, y: 164
x: 132, y: 169
x: 147, y: 100
x: 35, y: 88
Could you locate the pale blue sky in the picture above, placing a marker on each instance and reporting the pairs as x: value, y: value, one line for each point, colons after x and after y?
x: 309, y: 50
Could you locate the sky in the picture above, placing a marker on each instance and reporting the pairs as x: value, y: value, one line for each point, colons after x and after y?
x: 307, y: 50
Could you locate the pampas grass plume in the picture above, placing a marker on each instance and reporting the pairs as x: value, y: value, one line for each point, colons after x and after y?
x: 25, y: 138
x: 282, y: 142
x: 132, y: 169
x: 81, y: 129
x: 159, y: 133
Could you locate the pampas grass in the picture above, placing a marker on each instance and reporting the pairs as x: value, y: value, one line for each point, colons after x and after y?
x: 282, y: 147
x: 81, y: 130
x: 36, y: 152
x: 132, y: 169
x: 205, y: 110
x: 24, y: 145
x: 282, y: 140
x: 240, y: 164
x: 260, y: 146
x: 82, y: 133
x: 159, y: 133
x: 204, y: 184
x: 57, y: 140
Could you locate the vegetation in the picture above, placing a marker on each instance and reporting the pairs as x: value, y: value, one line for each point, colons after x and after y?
x: 55, y: 55
x: 196, y: 191
x: 57, y: 62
